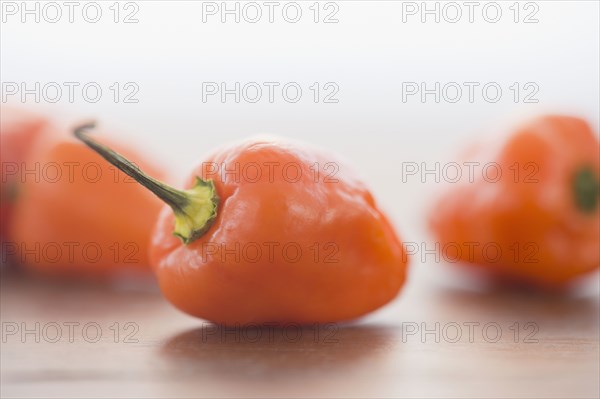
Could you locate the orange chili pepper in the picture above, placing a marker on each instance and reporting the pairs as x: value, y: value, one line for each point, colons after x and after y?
x: 283, y: 242
x: 70, y: 219
x: 541, y: 214
x: 19, y: 132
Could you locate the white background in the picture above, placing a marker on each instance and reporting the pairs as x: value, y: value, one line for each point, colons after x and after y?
x: 170, y: 52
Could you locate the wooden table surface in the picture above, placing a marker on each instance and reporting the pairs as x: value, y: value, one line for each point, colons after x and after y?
x: 160, y: 352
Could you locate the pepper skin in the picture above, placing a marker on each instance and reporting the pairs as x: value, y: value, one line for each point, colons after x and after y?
x: 19, y: 133
x: 543, y: 212
x: 71, y: 221
x: 326, y: 252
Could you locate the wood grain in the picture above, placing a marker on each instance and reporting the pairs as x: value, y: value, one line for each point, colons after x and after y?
x: 163, y: 353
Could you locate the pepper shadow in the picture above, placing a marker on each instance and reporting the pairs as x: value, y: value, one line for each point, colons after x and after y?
x: 243, y: 353
x: 557, y: 310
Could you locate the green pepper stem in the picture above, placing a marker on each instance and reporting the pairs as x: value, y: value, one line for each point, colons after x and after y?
x: 195, y: 209
x: 586, y: 188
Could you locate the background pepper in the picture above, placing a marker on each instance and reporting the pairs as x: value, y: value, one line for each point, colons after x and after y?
x: 70, y: 219
x: 20, y: 131
x: 269, y: 245
x: 542, y: 213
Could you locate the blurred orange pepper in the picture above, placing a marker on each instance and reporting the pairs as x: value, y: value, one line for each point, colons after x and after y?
x: 19, y: 132
x: 541, y: 215
x: 71, y: 220
x: 220, y: 252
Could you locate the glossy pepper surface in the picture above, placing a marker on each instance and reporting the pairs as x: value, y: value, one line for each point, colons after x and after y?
x: 293, y: 236
x: 538, y: 211
x: 70, y: 219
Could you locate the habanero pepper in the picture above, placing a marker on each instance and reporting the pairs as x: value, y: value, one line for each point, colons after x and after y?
x: 69, y: 219
x: 542, y: 213
x: 219, y: 246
